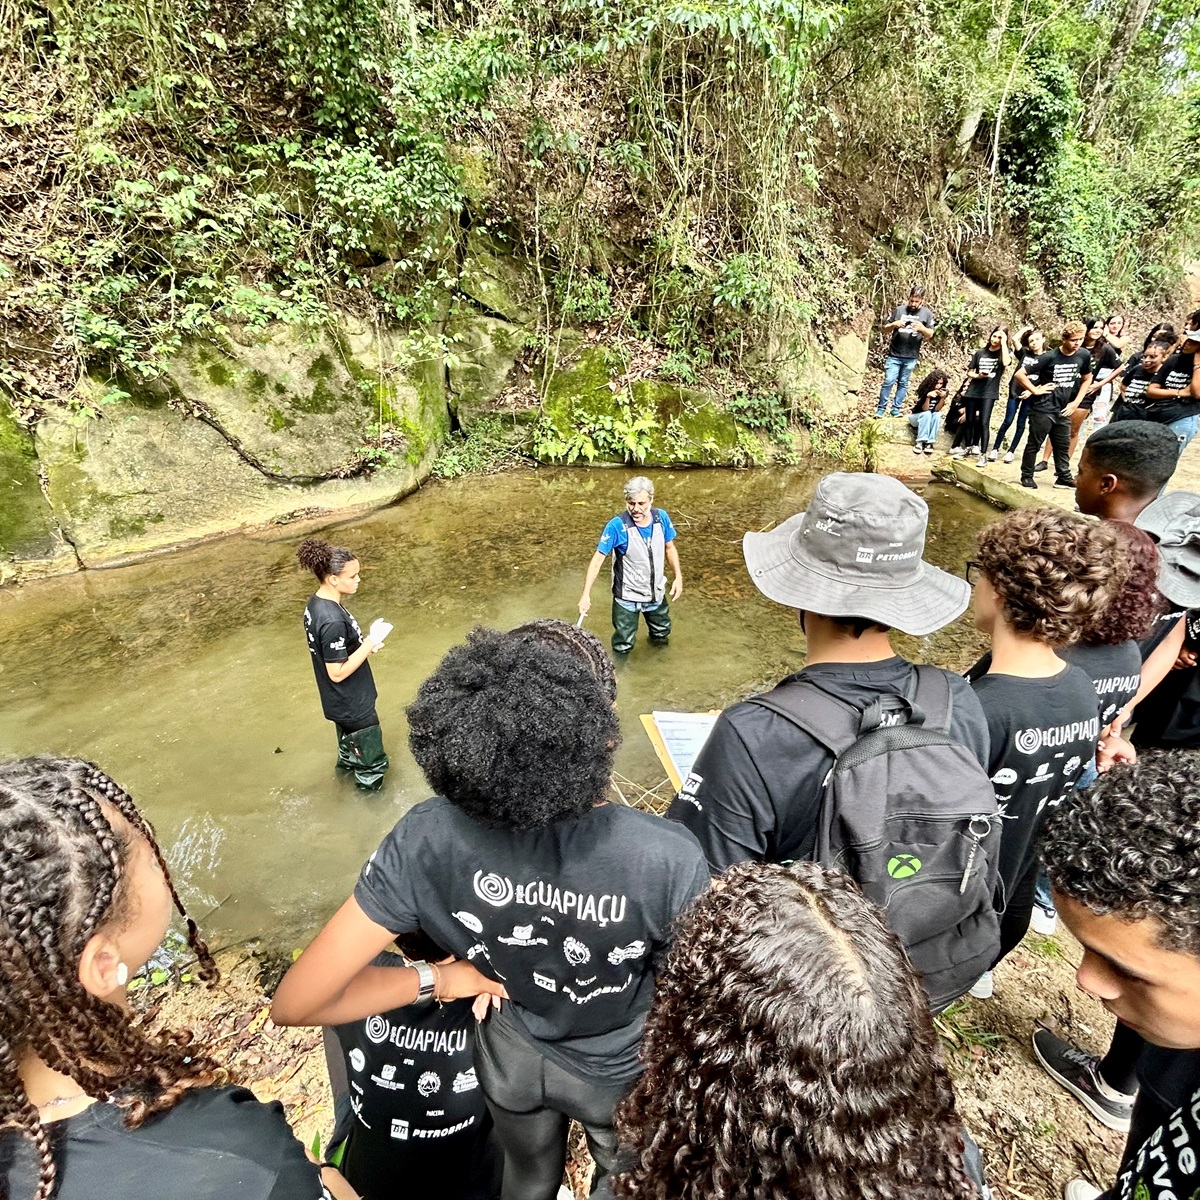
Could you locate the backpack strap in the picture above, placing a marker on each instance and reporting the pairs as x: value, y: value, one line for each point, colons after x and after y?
x: 934, y: 697
x: 826, y: 719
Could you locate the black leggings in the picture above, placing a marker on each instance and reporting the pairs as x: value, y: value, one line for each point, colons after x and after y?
x: 1014, y: 924
x: 532, y: 1099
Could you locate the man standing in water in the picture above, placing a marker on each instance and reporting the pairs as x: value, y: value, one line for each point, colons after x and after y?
x: 641, y: 540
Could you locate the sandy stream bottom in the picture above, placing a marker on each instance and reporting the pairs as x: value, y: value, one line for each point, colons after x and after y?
x: 1035, y: 1137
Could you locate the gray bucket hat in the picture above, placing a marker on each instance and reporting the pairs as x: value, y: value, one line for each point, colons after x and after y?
x: 1173, y: 521
x: 857, y: 552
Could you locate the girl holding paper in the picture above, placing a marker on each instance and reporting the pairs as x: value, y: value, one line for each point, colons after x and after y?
x: 339, y: 657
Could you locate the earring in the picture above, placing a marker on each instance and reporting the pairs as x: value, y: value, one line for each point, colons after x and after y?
x: 122, y: 974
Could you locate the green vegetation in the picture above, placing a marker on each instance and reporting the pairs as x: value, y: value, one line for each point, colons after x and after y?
x: 715, y: 179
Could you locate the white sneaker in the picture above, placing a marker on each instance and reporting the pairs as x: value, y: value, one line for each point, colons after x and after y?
x: 993, y: 455
x: 975, y: 450
x: 958, y: 452
x: 1043, y: 922
x: 1009, y: 456
x: 981, y: 461
x: 918, y: 447
x: 1080, y: 1189
x: 982, y: 988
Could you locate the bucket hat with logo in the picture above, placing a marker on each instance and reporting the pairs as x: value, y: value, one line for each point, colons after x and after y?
x: 1173, y: 521
x: 857, y: 552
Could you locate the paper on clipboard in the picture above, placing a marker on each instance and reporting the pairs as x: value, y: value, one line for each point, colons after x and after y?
x: 677, y: 738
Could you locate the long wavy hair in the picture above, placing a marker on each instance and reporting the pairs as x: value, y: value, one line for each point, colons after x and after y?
x: 62, y: 877
x: 790, y: 1055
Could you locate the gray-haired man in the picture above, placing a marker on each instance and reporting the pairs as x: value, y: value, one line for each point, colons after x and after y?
x: 641, y: 541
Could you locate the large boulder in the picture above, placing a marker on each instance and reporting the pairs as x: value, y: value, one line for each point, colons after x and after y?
x: 829, y: 375
x: 499, y: 282
x: 482, y: 354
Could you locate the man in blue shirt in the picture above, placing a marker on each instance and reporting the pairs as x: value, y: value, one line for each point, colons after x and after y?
x: 641, y: 541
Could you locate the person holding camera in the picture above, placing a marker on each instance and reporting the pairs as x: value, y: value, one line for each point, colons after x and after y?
x: 911, y: 325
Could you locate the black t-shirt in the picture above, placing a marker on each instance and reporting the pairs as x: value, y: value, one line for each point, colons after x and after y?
x: 754, y: 793
x: 1167, y: 1167
x: 1170, y: 715
x: 1043, y: 733
x: 1064, y: 371
x: 570, y: 918
x: 216, y: 1143
x: 1029, y: 363
x: 905, y: 342
x: 1106, y: 359
x: 417, y: 1110
x: 1176, y: 374
x: 991, y: 366
x: 333, y: 635
x: 1115, y: 672
x: 1135, y: 405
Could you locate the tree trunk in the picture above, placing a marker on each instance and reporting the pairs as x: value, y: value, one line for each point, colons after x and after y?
x: 1124, y: 35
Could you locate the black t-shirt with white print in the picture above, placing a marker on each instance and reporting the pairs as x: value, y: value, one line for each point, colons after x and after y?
x: 1167, y: 1167
x: 1176, y: 374
x: 1115, y: 672
x: 1043, y: 733
x: 333, y: 635
x: 417, y: 1110
x: 1065, y: 371
x: 1030, y: 364
x: 991, y: 366
x: 907, y: 342
x: 1135, y: 405
x: 216, y: 1143
x: 570, y: 918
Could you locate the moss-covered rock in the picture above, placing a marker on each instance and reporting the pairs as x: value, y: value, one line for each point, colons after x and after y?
x: 586, y: 414
x: 497, y: 281
x: 31, y: 542
x: 483, y: 351
x: 832, y: 375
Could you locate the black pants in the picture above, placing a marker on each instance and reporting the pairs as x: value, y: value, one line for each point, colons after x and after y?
x: 1014, y: 924
x: 1058, y: 428
x: 532, y: 1100
x: 1118, y: 1068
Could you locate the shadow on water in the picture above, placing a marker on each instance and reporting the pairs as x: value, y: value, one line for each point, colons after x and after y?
x: 187, y: 676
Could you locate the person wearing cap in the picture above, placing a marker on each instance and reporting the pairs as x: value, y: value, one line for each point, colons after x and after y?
x: 641, y: 541
x: 1177, y: 386
x: 852, y: 568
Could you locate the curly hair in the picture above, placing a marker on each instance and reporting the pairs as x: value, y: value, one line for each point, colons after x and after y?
x: 1053, y: 572
x: 62, y: 878
x: 518, y: 729
x: 789, y: 1054
x: 1130, y: 845
x: 322, y: 559
x: 1131, y: 614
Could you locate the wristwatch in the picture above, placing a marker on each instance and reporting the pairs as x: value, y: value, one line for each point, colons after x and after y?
x: 427, y: 983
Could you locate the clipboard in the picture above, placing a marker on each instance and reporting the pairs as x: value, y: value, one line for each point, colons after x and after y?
x: 677, y: 739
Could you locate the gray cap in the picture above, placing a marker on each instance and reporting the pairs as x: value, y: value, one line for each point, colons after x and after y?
x: 857, y: 552
x: 1173, y: 521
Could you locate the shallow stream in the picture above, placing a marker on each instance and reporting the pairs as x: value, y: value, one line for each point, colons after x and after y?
x: 187, y: 676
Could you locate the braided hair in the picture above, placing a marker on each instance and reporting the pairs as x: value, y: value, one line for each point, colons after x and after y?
x: 62, y: 868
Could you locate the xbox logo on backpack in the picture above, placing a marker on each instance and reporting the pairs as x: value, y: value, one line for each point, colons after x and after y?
x: 903, y: 866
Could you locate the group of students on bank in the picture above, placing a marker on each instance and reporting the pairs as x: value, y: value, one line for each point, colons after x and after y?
x: 724, y: 1012
x: 1093, y: 371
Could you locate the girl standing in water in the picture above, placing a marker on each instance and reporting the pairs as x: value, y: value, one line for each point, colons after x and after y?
x: 339, y: 657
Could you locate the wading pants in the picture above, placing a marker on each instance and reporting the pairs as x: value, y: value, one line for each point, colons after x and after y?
x: 361, y: 750
x: 532, y: 1100
x: 1058, y: 428
x: 625, y: 623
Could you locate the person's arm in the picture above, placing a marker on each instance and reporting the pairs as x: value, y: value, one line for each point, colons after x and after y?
x: 333, y: 981
x: 894, y: 323
x: 337, y: 671
x: 1079, y: 395
x: 1154, y: 670
x: 585, y: 599
x: 1027, y: 384
x: 1157, y: 391
x: 673, y: 559
x: 1005, y: 354
x: 926, y: 331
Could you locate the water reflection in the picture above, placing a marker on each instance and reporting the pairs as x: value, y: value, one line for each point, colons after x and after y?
x: 187, y: 676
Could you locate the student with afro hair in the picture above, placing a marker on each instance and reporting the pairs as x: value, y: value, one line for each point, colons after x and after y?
x: 557, y: 904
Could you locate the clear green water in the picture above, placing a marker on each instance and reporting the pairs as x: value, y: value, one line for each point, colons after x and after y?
x: 188, y: 679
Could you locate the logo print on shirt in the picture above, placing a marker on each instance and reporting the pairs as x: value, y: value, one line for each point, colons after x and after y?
x: 340, y: 644
x: 470, y: 920
x: 522, y: 935
x: 1005, y: 776
x: 465, y: 1081
x: 1029, y: 741
x: 1072, y: 766
x: 493, y: 889
x: 619, y: 954
x: 691, y: 785
x: 399, y: 1129
x: 864, y: 555
x: 377, y: 1029
x: 576, y: 952
x: 428, y: 1083
x: 544, y: 981
x: 389, y: 1071
x: 358, y: 1059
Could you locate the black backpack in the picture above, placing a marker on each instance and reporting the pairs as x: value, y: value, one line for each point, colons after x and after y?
x: 909, y: 813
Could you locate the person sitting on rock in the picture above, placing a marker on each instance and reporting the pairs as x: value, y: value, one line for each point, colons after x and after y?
x: 926, y: 415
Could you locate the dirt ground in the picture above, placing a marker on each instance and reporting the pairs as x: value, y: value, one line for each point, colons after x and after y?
x: 1035, y: 1137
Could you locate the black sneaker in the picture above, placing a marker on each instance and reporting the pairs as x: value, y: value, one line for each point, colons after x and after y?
x: 1042, y: 467
x: 1028, y: 481
x: 1065, y: 483
x: 1076, y: 1071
